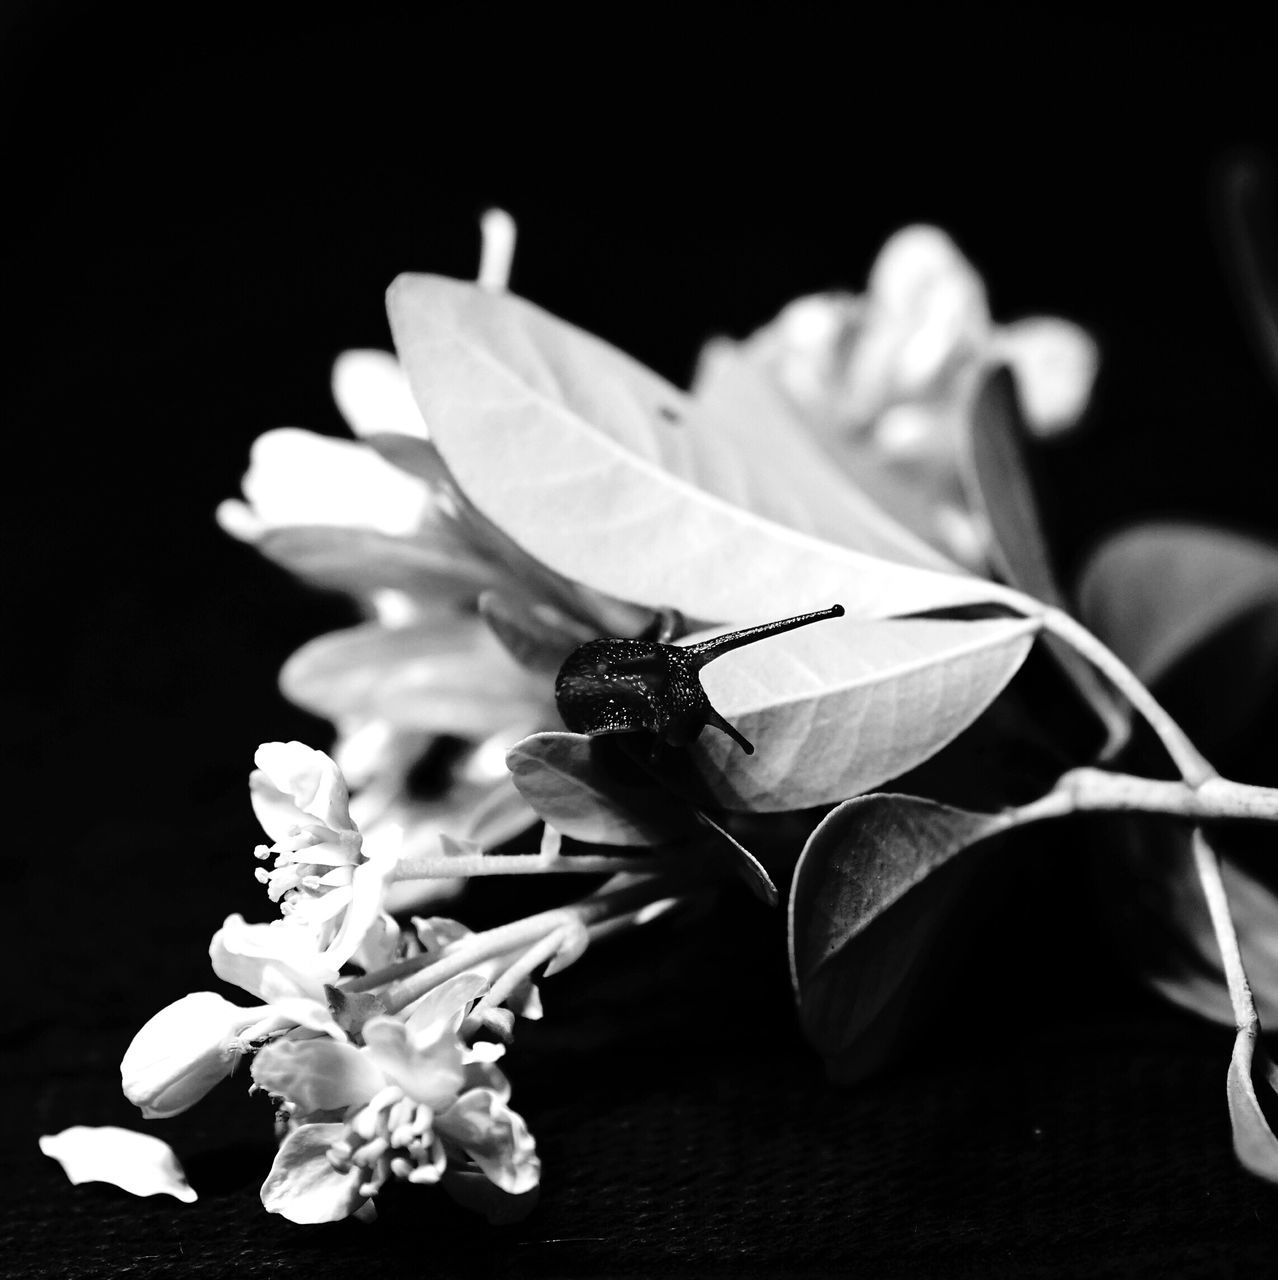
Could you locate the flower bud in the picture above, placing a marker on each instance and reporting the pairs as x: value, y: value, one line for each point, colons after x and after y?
x: 182, y: 1052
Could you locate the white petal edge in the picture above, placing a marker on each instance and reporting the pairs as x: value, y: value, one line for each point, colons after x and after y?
x: 135, y: 1162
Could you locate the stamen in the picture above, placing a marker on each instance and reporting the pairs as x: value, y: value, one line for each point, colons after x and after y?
x: 498, y: 230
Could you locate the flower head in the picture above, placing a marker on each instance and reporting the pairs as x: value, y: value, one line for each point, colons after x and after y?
x: 411, y: 1101
x: 886, y: 379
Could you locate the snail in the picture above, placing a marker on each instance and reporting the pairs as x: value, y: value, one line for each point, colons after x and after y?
x: 616, y: 686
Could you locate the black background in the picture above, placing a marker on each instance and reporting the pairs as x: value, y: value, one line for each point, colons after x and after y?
x: 204, y: 211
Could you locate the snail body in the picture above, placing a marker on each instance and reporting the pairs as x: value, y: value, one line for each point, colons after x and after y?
x: 618, y: 685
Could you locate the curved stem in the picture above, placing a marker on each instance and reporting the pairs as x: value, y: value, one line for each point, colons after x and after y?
x: 1207, y: 865
x: 1193, y: 767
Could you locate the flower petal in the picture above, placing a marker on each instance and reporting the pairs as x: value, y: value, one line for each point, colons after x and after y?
x: 442, y: 1008
x: 137, y: 1162
x: 291, y: 776
x: 431, y: 1073
x: 1055, y: 365
x: 282, y: 956
x: 317, y: 1075
x: 182, y: 1052
x: 303, y: 1187
x: 496, y: 1139
x: 373, y: 394
x: 297, y: 478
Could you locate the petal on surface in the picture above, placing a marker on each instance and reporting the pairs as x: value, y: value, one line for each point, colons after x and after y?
x: 182, y: 1052
x: 137, y: 1162
x: 495, y: 1137
x: 317, y: 1075
x: 303, y: 1187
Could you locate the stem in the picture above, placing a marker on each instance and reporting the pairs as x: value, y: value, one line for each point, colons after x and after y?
x: 446, y: 866
x: 1084, y: 790
x: 1187, y: 758
x: 1207, y: 864
x: 408, y: 979
x: 522, y: 969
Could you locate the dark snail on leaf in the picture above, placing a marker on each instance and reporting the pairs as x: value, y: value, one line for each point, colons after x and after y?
x: 646, y: 686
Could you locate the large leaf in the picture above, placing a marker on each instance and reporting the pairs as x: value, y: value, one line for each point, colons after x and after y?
x: 600, y: 613
x: 570, y: 449
x: 758, y: 423
x: 446, y: 674
x: 1155, y: 592
x: 998, y: 476
x: 558, y: 775
x: 840, y: 707
x: 849, y: 961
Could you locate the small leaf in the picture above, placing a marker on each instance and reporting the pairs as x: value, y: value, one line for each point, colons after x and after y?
x: 136, y: 1162
x: 1156, y: 592
x: 1254, y: 1141
x: 863, y: 859
x: 561, y: 442
x: 746, y: 865
x: 559, y: 775
x: 446, y: 674
x: 837, y: 709
x: 999, y: 478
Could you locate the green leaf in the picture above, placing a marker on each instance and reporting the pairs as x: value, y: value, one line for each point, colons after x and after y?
x: 580, y: 456
x: 999, y: 478
x: 860, y: 862
x: 1254, y: 1141
x: 1156, y: 592
x: 445, y: 674
x: 838, y: 708
x: 744, y: 863
x: 560, y: 777
x: 601, y: 613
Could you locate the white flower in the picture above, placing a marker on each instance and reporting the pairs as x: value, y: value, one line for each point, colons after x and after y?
x: 183, y: 1051
x: 322, y: 878
x: 424, y: 675
x: 886, y: 379
x: 414, y: 1098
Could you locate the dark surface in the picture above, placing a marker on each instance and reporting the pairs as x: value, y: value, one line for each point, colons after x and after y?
x: 204, y: 215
